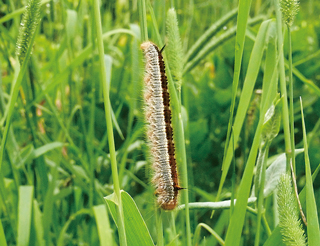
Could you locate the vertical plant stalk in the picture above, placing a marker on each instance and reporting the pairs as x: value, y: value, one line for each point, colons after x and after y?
x: 270, y: 130
x: 143, y: 20
x: 283, y: 86
x: 175, y: 53
x: 159, y: 227
x: 296, y: 192
x: 103, y: 76
x: 262, y: 157
x: 291, y: 102
x: 289, y: 9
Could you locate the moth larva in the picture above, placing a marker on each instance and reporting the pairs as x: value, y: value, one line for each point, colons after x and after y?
x: 158, y: 116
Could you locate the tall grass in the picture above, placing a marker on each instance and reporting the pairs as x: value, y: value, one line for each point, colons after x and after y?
x: 74, y: 167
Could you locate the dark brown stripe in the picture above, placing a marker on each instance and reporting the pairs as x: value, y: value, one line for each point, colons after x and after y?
x: 169, y: 131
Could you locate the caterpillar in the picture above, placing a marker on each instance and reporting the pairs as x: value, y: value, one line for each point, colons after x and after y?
x: 159, y: 132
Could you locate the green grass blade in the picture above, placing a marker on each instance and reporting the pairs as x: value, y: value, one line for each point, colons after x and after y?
x: 37, y: 220
x: 46, y: 148
x: 215, y: 43
x: 275, y: 239
x: 103, y: 225
x: 3, y: 240
x: 24, y: 215
x: 243, y: 15
x: 270, y: 77
x: 211, y: 31
x: 238, y: 216
x: 311, y: 206
x: 252, y: 73
x: 237, y: 219
x: 136, y: 230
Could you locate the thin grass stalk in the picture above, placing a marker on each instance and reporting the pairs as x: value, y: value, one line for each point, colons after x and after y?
x: 234, y: 175
x: 263, y: 153
x: 283, y: 86
x: 173, y: 228
x: 293, y: 167
x: 143, y: 19
x: 291, y: 101
x: 121, y: 226
x: 159, y: 227
x: 266, y: 224
x: 90, y: 140
x: 175, y: 42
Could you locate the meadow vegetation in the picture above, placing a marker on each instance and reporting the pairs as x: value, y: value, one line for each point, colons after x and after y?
x: 244, y: 86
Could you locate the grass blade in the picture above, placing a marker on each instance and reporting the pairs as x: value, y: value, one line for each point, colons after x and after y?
x: 24, y: 215
x: 136, y: 230
x: 252, y: 73
x: 2, y: 236
x: 103, y: 224
x: 311, y: 206
x: 244, y: 8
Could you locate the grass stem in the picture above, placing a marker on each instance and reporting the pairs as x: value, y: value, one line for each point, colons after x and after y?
x: 107, y: 105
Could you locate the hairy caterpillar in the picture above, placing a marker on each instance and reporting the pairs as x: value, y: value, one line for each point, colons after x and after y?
x: 158, y: 116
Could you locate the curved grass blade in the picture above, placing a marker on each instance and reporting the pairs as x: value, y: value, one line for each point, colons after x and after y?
x: 136, y: 229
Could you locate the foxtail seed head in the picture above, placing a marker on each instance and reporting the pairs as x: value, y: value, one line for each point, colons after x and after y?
x: 289, y: 9
x: 290, y: 224
x: 29, y: 22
